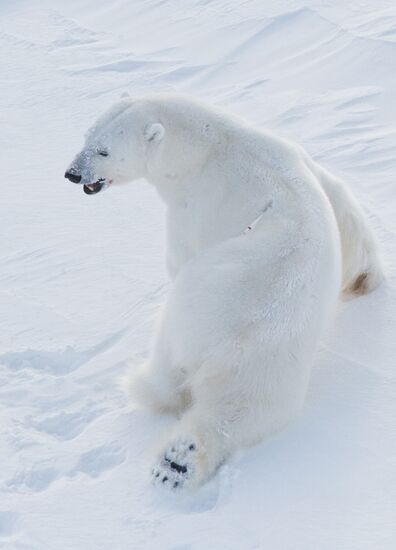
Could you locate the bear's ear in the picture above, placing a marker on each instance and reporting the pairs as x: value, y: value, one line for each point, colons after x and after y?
x: 154, y: 132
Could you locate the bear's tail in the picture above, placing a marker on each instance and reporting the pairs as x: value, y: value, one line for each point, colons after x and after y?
x: 362, y: 269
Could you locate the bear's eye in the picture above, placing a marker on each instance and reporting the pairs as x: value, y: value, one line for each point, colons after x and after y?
x: 103, y: 153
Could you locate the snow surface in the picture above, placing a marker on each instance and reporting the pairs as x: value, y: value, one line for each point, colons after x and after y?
x: 82, y: 277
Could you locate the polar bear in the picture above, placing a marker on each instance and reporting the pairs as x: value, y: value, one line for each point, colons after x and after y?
x: 260, y: 242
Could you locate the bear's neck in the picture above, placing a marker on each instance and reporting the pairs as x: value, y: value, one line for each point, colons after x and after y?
x: 210, y: 193
x: 206, y: 179
x: 203, y: 151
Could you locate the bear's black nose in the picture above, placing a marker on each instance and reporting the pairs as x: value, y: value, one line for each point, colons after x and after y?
x: 75, y: 178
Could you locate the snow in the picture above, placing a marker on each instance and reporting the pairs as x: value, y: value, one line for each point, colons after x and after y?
x: 82, y: 277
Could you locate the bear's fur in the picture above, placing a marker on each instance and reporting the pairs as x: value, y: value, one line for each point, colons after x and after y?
x: 260, y: 242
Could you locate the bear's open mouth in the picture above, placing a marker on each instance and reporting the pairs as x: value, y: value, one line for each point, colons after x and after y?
x: 93, y: 188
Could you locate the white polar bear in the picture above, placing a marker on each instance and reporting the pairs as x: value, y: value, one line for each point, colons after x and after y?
x: 257, y: 263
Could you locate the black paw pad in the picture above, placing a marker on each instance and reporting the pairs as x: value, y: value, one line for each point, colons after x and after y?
x: 179, y: 468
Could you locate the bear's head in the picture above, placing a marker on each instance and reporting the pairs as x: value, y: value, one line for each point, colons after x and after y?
x: 116, y: 147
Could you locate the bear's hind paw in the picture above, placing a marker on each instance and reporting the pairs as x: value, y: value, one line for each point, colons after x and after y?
x: 176, y: 466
